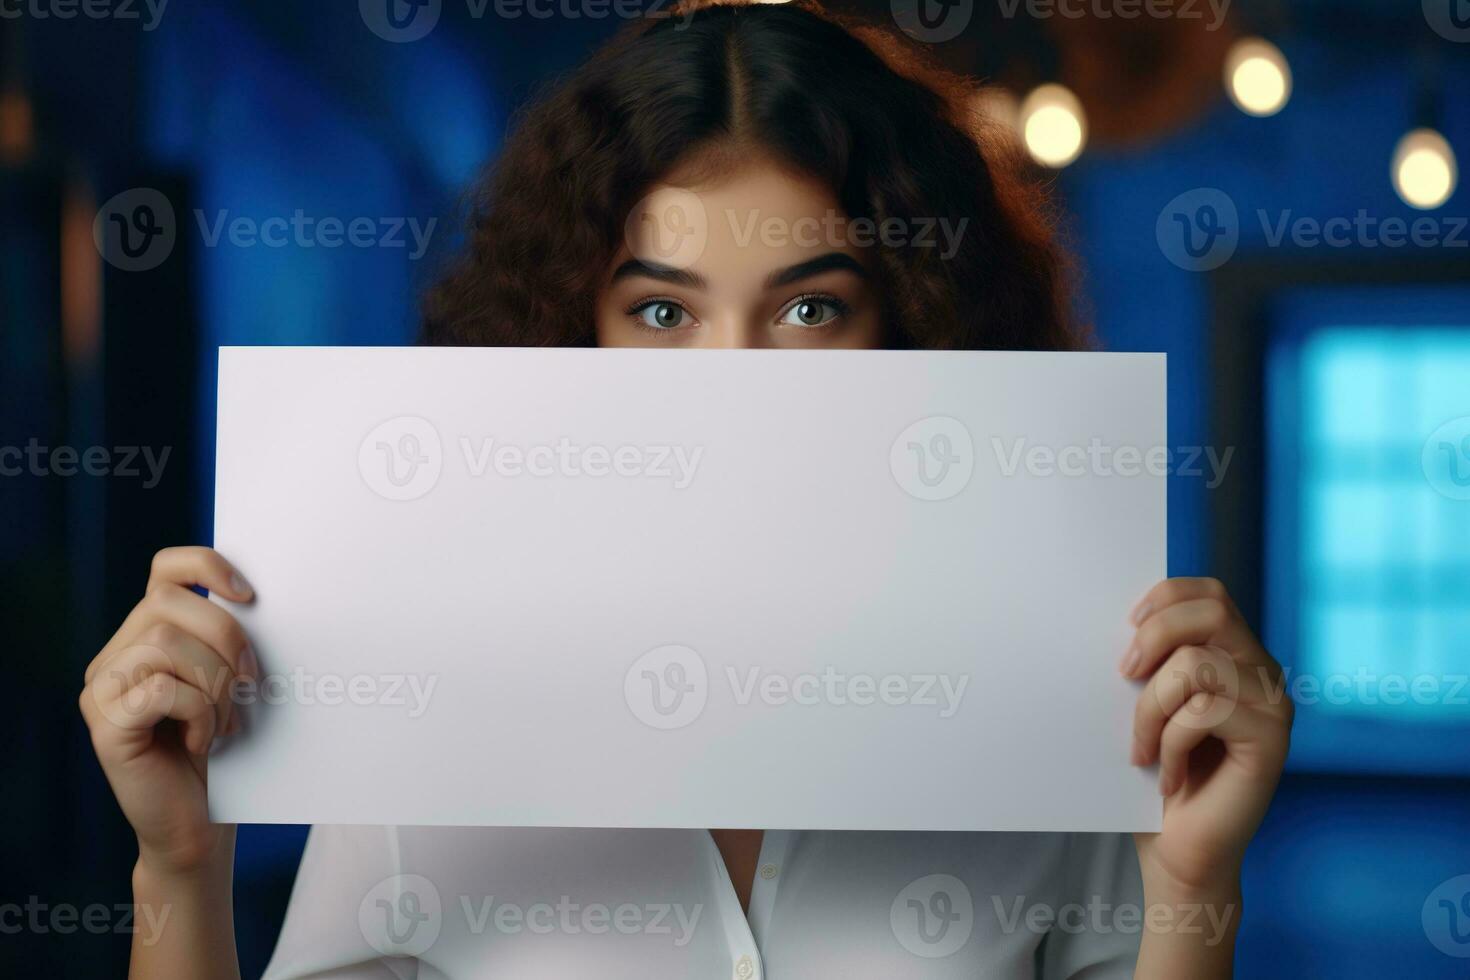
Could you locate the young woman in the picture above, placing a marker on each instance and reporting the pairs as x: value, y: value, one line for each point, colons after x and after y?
x: 748, y: 176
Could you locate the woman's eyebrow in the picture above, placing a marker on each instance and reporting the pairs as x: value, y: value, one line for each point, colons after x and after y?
x: 812, y: 267
x: 663, y: 273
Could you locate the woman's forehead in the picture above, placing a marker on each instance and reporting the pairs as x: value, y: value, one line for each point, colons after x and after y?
x: 747, y: 223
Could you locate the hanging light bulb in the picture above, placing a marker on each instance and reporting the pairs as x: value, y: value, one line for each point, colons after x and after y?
x: 1257, y: 76
x: 1053, y: 125
x: 1424, y: 171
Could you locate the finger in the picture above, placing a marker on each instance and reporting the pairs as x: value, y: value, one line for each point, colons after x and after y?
x: 204, y: 567
x: 1229, y: 722
x: 1190, y: 671
x: 1195, y: 621
x: 112, y: 711
x: 192, y: 709
x: 120, y: 691
x: 204, y: 620
x: 181, y: 568
x: 177, y: 606
x: 1172, y: 591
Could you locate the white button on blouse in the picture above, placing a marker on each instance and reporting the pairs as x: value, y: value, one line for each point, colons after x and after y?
x: 424, y: 903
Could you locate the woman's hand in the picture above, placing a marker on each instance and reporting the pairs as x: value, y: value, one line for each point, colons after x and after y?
x: 157, y: 695
x: 1215, y: 717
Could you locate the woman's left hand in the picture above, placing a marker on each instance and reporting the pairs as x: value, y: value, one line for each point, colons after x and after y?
x: 1215, y: 716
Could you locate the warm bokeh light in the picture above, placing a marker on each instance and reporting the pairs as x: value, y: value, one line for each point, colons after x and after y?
x: 17, y: 130
x: 1257, y: 76
x: 1053, y: 125
x: 1424, y: 171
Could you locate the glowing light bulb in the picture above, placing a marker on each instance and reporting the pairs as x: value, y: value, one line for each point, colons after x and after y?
x: 1053, y: 125
x: 1424, y: 171
x: 1257, y: 76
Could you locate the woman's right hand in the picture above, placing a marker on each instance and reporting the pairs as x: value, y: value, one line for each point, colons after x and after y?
x: 157, y: 695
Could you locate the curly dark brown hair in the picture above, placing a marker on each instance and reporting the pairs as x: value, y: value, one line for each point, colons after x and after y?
x: 851, y: 105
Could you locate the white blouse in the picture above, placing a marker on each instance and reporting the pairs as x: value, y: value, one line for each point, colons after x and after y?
x: 424, y: 903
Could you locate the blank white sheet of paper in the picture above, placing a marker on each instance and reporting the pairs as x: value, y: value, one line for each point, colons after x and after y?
x: 660, y: 588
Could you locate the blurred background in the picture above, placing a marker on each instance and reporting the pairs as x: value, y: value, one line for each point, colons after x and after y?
x: 1267, y: 191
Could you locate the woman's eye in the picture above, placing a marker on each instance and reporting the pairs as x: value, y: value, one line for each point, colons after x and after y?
x: 662, y: 315
x: 811, y: 313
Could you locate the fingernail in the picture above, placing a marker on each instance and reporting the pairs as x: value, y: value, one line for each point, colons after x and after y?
x: 1130, y: 661
x: 239, y: 586
x: 1140, y: 612
x: 249, y: 663
x: 1164, y: 789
